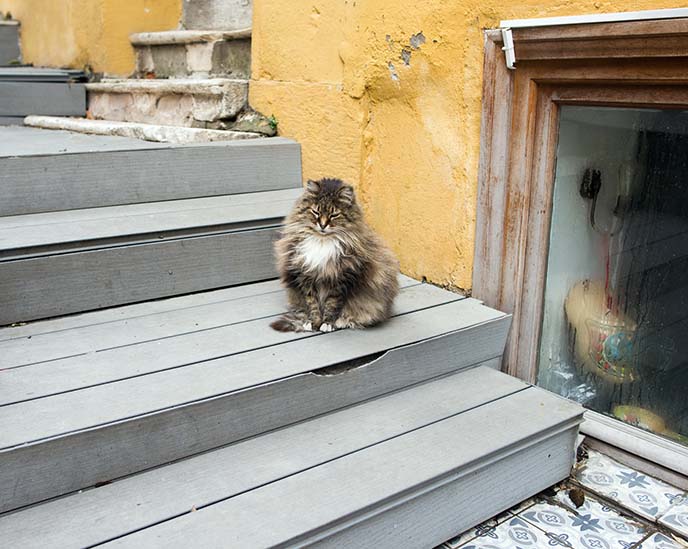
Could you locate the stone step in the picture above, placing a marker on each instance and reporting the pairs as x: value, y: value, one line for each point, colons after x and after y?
x: 193, y: 53
x: 195, y: 103
x: 136, y: 130
x: 217, y: 14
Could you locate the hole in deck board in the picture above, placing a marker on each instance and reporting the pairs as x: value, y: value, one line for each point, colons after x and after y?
x: 346, y: 366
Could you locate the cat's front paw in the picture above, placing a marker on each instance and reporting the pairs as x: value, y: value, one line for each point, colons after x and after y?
x: 326, y: 327
x: 307, y: 326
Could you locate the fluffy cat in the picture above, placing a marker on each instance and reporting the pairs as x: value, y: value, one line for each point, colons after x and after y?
x: 337, y: 272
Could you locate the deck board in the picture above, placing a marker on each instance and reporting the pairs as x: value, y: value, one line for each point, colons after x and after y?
x: 96, y: 516
x: 60, y: 284
x: 348, y: 491
x: 249, y: 332
x: 47, y: 98
x: 66, y: 169
x: 58, y: 228
x: 196, y: 407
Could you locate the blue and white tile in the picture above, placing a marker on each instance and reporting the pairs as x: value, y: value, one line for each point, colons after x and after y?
x: 593, y: 526
x: 513, y: 533
x: 659, y: 541
x: 676, y: 517
x: 643, y: 494
x: 487, y: 528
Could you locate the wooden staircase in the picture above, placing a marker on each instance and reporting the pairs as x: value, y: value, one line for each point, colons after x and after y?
x: 145, y: 422
x: 145, y: 402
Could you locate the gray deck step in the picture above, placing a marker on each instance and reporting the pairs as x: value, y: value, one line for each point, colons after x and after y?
x: 406, y: 469
x: 74, y: 171
x: 58, y: 263
x: 191, y: 102
x: 135, y: 390
x: 48, y: 98
x: 193, y: 53
x: 9, y: 43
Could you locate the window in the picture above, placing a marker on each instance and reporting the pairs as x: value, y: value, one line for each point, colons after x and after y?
x: 583, y: 206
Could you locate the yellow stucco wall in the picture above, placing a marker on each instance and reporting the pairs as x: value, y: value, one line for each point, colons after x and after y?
x: 407, y: 135
x: 75, y: 33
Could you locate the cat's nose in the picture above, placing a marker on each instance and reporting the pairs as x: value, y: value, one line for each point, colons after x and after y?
x: 323, y: 222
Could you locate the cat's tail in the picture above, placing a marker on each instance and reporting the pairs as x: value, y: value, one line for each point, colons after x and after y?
x: 290, y: 322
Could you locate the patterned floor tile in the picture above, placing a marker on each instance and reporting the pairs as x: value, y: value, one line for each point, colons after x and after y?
x: 513, y: 533
x: 659, y: 541
x: 486, y: 528
x: 645, y: 495
x: 593, y: 526
x: 676, y: 518
x: 482, y: 530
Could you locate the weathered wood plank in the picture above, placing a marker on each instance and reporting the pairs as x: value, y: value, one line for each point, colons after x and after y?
x: 24, y: 98
x: 34, y: 472
x: 133, y: 503
x: 79, y: 281
x: 141, y: 173
x: 345, y: 499
x: 119, y: 222
x: 241, y: 328
x: 127, y: 313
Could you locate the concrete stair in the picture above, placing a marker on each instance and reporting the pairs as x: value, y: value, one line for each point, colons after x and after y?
x: 193, y: 53
x: 192, y: 77
x: 217, y: 14
x: 202, y: 103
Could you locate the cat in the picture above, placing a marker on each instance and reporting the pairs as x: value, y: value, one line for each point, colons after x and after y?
x: 337, y: 272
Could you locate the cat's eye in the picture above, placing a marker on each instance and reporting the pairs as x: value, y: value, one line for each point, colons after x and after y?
x: 335, y: 215
x: 316, y: 213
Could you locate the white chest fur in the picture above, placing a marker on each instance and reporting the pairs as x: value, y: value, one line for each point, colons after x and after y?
x: 316, y: 252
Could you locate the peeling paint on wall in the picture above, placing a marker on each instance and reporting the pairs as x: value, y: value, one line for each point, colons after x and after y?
x: 410, y: 144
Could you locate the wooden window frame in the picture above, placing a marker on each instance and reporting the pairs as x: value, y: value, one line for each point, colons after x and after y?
x: 640, y: 63
x: 629, y: 64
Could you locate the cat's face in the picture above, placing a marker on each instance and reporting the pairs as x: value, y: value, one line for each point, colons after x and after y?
x: 328, y: 207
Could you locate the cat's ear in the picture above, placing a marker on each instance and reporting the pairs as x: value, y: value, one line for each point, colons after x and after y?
x: 346, y: 194
x: 313, y: 186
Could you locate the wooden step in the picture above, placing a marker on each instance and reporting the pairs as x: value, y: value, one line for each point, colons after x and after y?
x: 9, y: 43
x: 193, y: 53
x: 29, y: 90
x: 58, y: 263
x: 128, y: 393
x: 191, y: 102
x: 406, y: 469
x: 74, y: 171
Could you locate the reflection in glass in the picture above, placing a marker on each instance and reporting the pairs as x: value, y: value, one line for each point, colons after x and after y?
x: 615, y: 323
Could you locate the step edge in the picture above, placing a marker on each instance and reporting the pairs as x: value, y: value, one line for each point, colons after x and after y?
x: 211, y: 86
x: 481, y: 464
x: 156, y: 133
x: 180, y: 37
x: 228, y: 394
